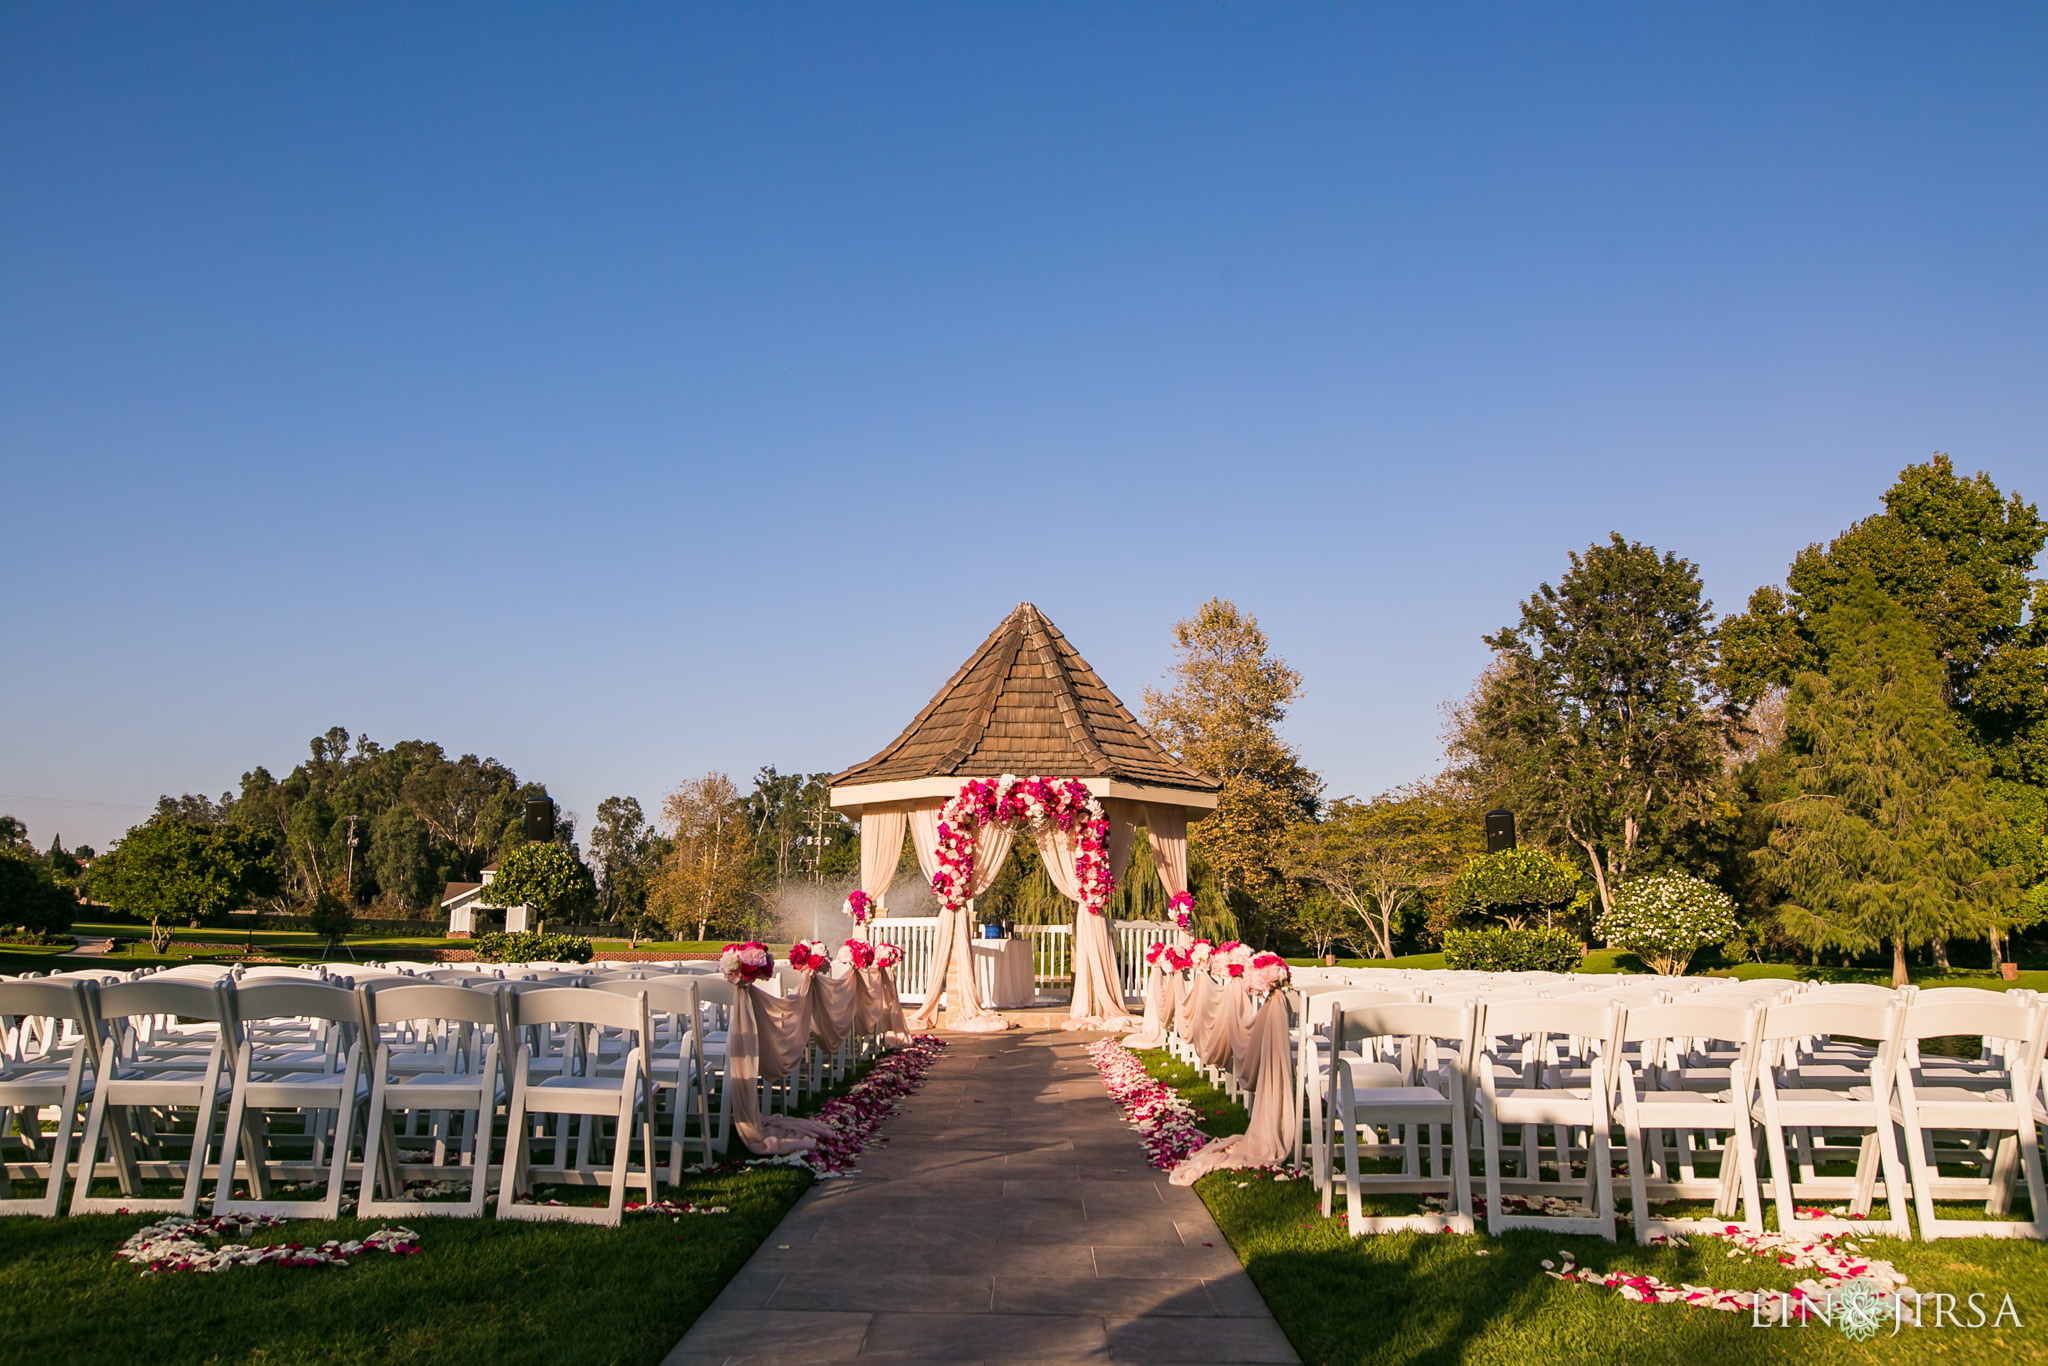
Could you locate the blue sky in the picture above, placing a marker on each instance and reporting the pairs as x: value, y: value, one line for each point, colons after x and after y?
x: 627, y: 392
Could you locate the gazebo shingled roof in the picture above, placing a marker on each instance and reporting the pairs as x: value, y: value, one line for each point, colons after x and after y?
x: 1025, y: 703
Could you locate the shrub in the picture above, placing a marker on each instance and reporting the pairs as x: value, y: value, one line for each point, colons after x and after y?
x: 1519, y: 883
x: 1665, y: 920
x: 1539, y: 948
x: 332, y: 918
x: 531, y: 946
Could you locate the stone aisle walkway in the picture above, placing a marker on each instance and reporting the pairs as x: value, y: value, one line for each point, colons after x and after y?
x: 1010, y: 1217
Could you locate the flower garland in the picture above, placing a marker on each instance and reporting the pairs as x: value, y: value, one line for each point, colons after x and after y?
x: 1180, y: 908
x: 1165, y: 1123
x: 1041, y: 803
x: 809, y: 955
x: 173, y: 1244
x: 857, y: 953
x: 860, y: 907
x: 745, y: 963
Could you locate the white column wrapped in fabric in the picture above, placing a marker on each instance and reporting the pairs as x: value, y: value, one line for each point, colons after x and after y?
x: 881, y: 845
x: 1166, y: 830
x: 952, y: 950
x: 1098, y: 994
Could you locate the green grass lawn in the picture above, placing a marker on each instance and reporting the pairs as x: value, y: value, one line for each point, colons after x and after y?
x: 1438, y: 1298
x: 478, y: 1290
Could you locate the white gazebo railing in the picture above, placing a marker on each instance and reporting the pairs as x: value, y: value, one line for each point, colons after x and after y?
x: 1052, y: 951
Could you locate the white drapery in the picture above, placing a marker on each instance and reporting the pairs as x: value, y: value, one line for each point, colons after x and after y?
x: 952, y: 947
x: 1166, y: 830
x: 881, y: 845
x: 1098, y: 992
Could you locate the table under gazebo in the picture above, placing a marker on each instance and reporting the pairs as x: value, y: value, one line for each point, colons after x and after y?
x: 1024, y: 735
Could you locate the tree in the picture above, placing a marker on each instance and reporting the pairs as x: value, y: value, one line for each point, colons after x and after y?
x: 1880, y: 841
x: 1321, y: 920
x: 546, y: 877
x: 165, y: 871
x: 707, y: 880
x: 1375, y: 858
x: 1514, y: 885
x: 1600, y: 723
x: 1222, y: 717
x: 332, y: 917
x: 625, y: 850
x: 30, y: 895
x: 1666, y: 919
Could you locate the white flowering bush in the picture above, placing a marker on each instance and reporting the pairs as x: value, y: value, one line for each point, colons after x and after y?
x: 1666, y: 919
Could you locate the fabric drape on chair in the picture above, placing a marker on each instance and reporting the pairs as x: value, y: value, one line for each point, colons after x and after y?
x: 1265, y: 1067
x: 881, y: 845
x: 765, y: 1041
x: 953, y: 947
x: 1098, y: 994
x: 832, y: 1008
x: 877, y: 1007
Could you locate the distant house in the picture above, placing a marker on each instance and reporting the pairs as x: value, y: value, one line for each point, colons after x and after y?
x: 463, y: 902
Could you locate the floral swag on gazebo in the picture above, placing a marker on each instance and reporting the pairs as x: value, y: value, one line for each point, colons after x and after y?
x: 1040, y: 804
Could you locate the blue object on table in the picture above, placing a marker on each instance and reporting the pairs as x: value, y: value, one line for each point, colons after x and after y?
x: 991, y: 931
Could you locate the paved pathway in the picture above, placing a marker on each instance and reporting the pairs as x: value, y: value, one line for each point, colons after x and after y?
x: 1010, y: 1217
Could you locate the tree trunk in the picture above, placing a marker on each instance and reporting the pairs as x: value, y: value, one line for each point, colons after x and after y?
x: 1898, y: 961
x: 1997, y: 952
x: 1941, y: 955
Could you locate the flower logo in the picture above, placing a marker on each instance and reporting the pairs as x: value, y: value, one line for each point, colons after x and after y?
x: 1860, y: 1310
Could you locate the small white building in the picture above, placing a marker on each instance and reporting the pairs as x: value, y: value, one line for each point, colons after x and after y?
x: 462, y: 901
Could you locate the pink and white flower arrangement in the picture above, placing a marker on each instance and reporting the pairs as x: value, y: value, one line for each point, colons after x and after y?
x: 1267, y: 973
x: 746, y: 963
x: 1043, y: 804
x: 1231, y: 959
x: 1199, y: 954
x: 887, y: 955
x: 1167, y: 957
x: 860, y: 907
x: 857, y: 953
x: 809, y: 955
x: 1180, y: 909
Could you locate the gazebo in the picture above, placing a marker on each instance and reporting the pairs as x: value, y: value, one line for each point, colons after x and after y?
x: 1024, y: 704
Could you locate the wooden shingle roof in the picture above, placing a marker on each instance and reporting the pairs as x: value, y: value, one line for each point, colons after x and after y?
x: 1026, y: 703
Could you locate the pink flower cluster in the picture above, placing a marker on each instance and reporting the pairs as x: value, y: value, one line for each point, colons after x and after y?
x: 1267, y: 974
x: 857, y: 953
x: 1838, y: 1265
x: 1199, y: 954
x: 887, y: 955
x: 1168, y: 957
x: 1180, y: 908
x: 173, y: 1244
x: 1231, y: 959
x: 1165, y: 1123
x: 855, y: 1116
x: 860, y: 906
x: 1041, y: 803
x: 748, y: 962
x: 809, y: 955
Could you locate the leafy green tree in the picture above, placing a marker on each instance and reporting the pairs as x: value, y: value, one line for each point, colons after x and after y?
x: 1375, y: 858
x: 546, y: 877
x: 1600, y: 723
x: 14, y: 834
x: 1222, y: 717
x: 1881, y: 841
x: 166, y: 871
x: 30, y: 895
x: 1514, y: 885
x: 1666, y: 919
x: 709, y: 878
x: 332, y: 917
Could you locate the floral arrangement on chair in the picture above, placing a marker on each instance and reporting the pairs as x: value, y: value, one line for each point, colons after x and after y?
x: 857, y: 953
x: 1041, y: 803
x: 1199, y: 954
x: 887, y: 955
x: 809, y: 955
x: 1180, y: 909
x: 1267, y: 973
x: 1168, y: 957
x: 860, y: 907
x: 746, y: 963
x: 1232, y: 957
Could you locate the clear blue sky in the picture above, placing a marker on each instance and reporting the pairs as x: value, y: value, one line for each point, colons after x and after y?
x: 626, y: 391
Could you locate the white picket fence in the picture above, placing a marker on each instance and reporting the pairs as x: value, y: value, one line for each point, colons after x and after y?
x: 1052, y: 951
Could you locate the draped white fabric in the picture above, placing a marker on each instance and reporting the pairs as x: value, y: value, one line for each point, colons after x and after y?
x: 1166, y: 830
x: 953, y: 947
x: 1098, y: 994
x: 881, y: 845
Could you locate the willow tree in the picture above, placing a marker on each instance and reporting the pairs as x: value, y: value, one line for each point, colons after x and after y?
x: 1881, y: 841
x: 1599, y: 722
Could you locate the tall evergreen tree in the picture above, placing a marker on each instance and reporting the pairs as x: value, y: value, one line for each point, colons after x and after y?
x: 1881, y: 841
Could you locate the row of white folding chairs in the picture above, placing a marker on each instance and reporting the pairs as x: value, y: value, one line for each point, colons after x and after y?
x: 1445, y: 1062
x: 281, y: 1049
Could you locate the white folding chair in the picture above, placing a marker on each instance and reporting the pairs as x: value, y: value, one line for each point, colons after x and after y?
x: 1822, y: 1100
x: 1314, y: 1055
x: 1545, y: 1087
x: 675, y: 1062
x: 1674, y: 1085
x: 313, y: 1066
x: 1425, y: 1098
x: 568, y: 1093
x: 1928, y: 1103
x: 468, y: 1082
x: 43, y: 1065
x: 152, y: 1056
